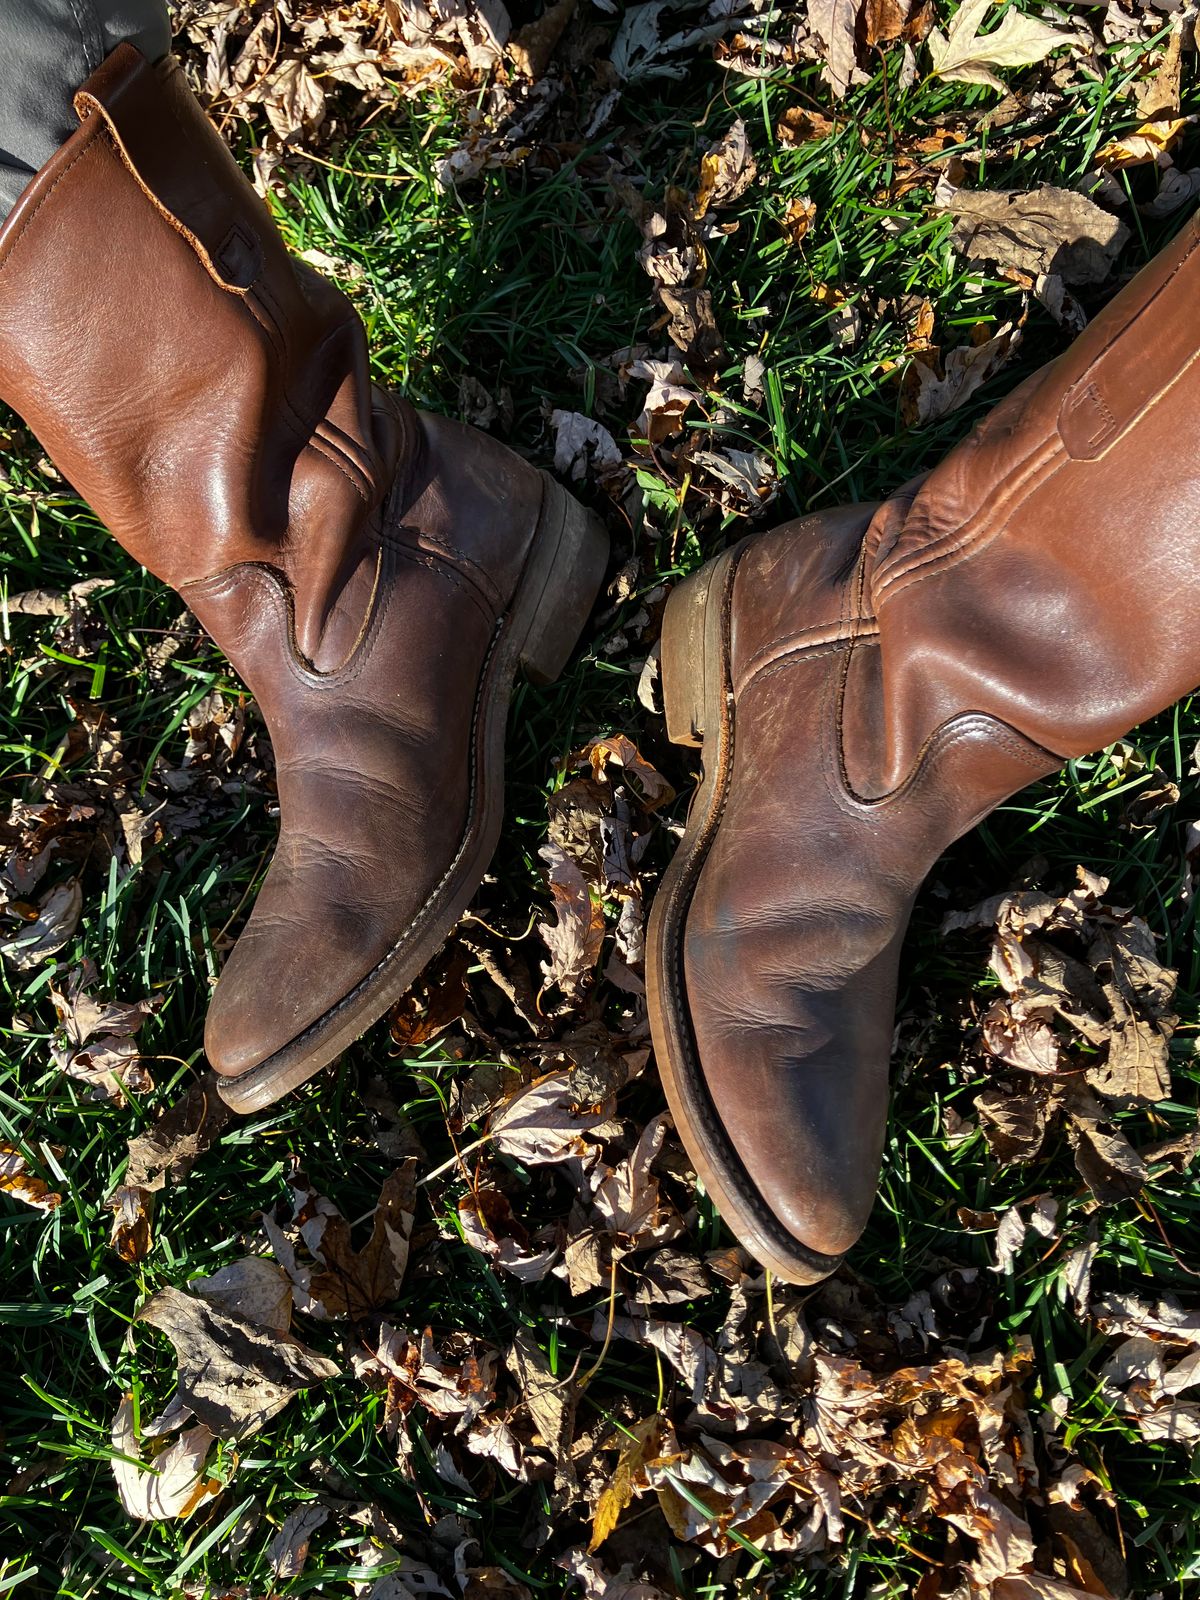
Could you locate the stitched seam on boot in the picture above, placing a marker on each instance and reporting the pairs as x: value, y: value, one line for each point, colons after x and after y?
x: 794, y: 655
x: 432, y: 563
x: 26, y: 222
x: 945, y: 561
x: 305, y: 434
x: 323, y: 1020
x: 498, y: 632
x: 1112, y: 342
x: 441, y: 546
x: 980, y: 526
x: 322, y: 429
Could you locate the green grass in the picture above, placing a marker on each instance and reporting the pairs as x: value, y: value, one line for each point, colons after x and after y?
x: 530, y: 281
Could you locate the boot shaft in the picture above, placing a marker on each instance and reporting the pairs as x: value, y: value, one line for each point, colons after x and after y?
x: 1046, y: 572
x: 208, y: 395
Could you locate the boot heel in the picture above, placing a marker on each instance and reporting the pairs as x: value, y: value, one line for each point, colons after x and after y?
x: 566, y: 571
x: 686, y: 640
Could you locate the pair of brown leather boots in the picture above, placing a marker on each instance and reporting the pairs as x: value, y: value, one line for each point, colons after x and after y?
x: 866, y: 683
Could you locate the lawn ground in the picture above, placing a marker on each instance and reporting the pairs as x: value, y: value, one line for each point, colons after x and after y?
x: 527, y: 281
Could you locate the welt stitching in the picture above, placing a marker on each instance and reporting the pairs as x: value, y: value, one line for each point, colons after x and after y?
x: 322, y: 431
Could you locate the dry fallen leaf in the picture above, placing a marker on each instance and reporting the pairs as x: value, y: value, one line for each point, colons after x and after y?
x: 1157, y: 1360
x: 171, y: 1483
x: 726, y: 172
x: 490, y: 1226
x: 1094, y: 1034
x: 798, y: 219
x: 169, y: 1148
x: 233, y: 1375
x: 49, y: 929
x: 799, y: 125
x: 835, y: 21
x: 575, y: 937
x: 337, y: 1282
x: 962, y: 53
x: 17, y: 1181
x: 543, y: 1123
x: 96, y: 1039
x: 252, y: 1289
x: 1042, y: 231
x: 927, y: 395
x: 580, y: 442
x: 288, y: 1550
x: 1147, y: 143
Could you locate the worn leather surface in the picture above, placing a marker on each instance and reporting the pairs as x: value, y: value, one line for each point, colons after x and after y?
x: 897, y: 671
x: 210, y: 397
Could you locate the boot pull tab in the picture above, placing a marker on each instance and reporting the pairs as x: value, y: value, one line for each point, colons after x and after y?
x: 181, y: 162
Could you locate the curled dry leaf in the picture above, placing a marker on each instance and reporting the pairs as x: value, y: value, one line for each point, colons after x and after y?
x: 575, y: 937
x: 434, y: 1004
x: 51, y: 926
x: 545, y: 1123
x: 674, y: 258
x: 96, y: 1039
x: 233, y: 1375
x: 597, y: 1583
x: 667, y: 400
x: 19, y: 1183
x: 932, y: 388
x: 1155, y: 1363
x: 649, y: 786
x: 1086, y: 1015
x: 170, y: 1484
x: 490, y: 1226
x: 965, y: 54
x: 580, y: 442
x: 169, y: 1148
x: 726, y: 171
x: 330, y: 1279
x: 288, y: 1550
x: 798, y: 219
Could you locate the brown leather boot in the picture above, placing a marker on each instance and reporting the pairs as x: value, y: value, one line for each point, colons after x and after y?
x: 866, y: 685
x: 375, y: 576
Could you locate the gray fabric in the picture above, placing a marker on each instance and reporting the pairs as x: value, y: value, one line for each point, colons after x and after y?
x: 47, y: 49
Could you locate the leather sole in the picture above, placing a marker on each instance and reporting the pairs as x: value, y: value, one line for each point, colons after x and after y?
x: 698, y: 700
x: 558, y: 587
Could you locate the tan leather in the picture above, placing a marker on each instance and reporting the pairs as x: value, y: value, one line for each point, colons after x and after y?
x: 890, y: 673
x: 360, y: 564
